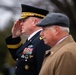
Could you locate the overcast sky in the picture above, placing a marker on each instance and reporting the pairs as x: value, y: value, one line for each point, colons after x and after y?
x: 7, y: 12
x: 10, y: 9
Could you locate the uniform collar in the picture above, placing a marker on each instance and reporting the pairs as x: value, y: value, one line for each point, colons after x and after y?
x: 33, y: 34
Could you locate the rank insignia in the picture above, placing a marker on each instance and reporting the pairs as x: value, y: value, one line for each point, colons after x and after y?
x: 22, y: 56
x: 27, y: 51
x: 40, y: 38
x: 26, y: 67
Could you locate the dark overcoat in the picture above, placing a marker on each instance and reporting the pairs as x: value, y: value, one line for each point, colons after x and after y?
x: 28, y: 56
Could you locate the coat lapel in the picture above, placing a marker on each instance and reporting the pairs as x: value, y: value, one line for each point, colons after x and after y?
x: 27, y: 43
x: 58, y: 46
x: 22, y: 47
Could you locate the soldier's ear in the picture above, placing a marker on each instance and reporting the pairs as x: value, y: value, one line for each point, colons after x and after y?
x: 36, y: 21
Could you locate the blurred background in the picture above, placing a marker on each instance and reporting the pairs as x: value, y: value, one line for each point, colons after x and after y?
x: 10, y: 11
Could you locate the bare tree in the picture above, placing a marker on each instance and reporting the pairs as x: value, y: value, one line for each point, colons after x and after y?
x: 68, y: 7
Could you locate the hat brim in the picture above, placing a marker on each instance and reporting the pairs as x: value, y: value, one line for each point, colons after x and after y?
x: 44, y: 22
x: 54, y: 19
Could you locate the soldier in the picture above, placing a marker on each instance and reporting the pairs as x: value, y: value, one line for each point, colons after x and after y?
x: 28, y: 56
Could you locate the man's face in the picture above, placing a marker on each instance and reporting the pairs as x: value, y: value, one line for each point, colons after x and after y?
x: 27, y: 26
x: 48, y: 35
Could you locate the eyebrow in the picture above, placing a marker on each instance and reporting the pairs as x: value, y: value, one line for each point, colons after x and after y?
x: 24, y: 19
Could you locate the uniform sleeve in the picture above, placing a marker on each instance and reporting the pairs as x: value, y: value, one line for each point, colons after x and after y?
x: 13, y: 44
x: 66, y: 64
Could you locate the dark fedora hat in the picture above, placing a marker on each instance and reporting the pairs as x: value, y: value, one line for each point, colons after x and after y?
x: 54, y: 19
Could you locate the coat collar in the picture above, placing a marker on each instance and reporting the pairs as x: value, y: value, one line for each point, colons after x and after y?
x: 34, y: 37
x: 27, y: 43
x: 69, y: 39
x: 34, y: 34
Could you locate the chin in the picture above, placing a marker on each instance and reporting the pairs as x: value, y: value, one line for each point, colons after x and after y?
x: 45, y: 42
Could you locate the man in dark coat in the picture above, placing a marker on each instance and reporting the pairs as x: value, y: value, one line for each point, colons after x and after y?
x: 28, y: 56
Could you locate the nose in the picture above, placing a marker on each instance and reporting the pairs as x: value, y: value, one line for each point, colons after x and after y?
x: 41, y: 33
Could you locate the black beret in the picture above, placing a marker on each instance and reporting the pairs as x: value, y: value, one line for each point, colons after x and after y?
x: 54, y: 19
x: 31, y: 11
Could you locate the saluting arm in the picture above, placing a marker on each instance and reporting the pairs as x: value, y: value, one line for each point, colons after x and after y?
x: 13, y: 44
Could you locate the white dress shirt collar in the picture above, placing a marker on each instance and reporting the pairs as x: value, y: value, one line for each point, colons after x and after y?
x: 62, y: 39
x: 33, y: 34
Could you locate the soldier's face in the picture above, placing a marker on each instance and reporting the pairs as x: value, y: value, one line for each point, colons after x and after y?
x: 27, y: 26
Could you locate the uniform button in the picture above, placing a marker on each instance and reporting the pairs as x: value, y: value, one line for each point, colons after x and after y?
x: 16, y: 67
x: 16, y: 59
x: 31, y: 56
x: 26, y: 67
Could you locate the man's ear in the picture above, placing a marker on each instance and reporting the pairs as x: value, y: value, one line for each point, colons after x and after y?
x: 35, y: 21
x: 57, y: 29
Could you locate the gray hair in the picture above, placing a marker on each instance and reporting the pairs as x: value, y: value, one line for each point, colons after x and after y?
x: 62, y: 28
x: 65, y: 29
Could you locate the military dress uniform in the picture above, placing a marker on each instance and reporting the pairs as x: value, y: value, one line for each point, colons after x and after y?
x: 28, y: 56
